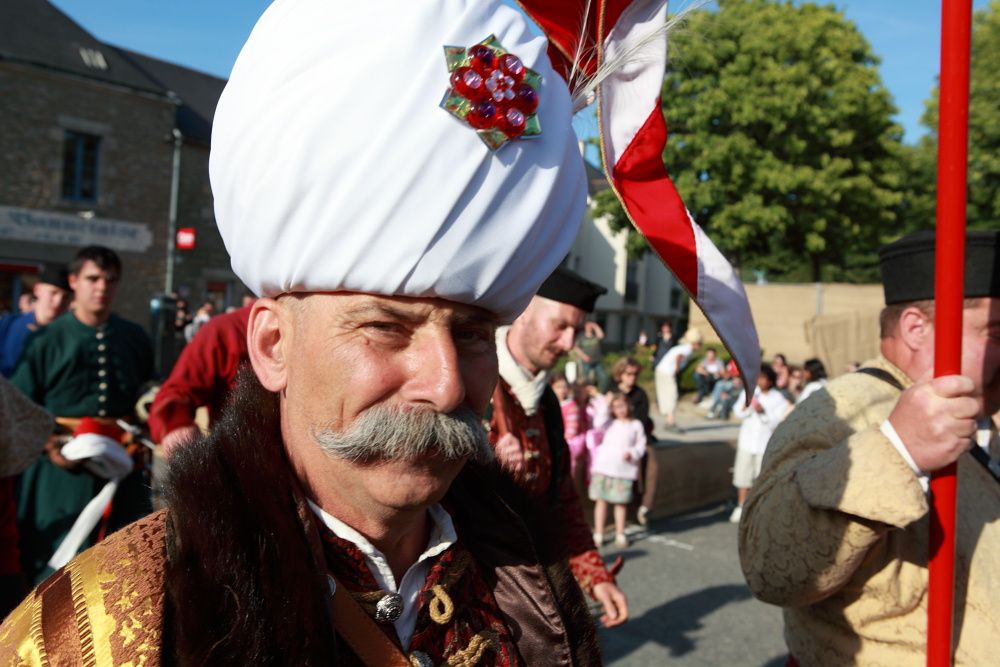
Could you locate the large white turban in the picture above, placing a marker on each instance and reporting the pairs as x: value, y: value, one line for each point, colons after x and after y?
x: 334, y: 167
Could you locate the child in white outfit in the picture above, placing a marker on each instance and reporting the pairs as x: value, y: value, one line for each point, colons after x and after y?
x: 767, y: 408
x: 615, y: 467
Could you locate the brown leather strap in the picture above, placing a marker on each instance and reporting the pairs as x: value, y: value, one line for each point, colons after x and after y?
x: 363, y: 635
x: 883, y: 375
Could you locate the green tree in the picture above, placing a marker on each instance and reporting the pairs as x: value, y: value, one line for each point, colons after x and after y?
x: 781, y: 139
x: 984, y: 126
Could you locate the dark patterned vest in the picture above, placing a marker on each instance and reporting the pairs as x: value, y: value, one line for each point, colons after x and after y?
x: 458, y: 620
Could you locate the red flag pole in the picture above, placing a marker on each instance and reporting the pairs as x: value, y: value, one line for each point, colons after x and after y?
x: 953, y: 137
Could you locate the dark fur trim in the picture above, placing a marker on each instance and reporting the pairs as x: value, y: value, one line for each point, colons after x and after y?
x: 242, y: 587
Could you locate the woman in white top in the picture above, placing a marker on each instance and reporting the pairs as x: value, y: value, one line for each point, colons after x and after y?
x: 666, y: 375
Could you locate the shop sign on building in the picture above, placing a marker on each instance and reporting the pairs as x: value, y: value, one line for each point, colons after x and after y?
x: 23, y: 224
x: 186, y: 238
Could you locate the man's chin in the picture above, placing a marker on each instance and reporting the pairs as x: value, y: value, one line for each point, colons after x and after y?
x: 423, y: 481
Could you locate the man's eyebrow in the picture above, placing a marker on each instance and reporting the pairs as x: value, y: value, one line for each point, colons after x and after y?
x: 404, y: 315
x: 384, y: 310
x: 474, y: 319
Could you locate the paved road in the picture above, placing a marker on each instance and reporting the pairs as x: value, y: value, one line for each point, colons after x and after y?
x: 688, y: 601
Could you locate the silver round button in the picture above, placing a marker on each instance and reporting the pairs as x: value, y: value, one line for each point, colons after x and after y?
x: 421, y: 659
x: 389, y: 608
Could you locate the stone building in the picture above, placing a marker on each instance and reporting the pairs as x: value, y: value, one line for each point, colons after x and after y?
x: 104, y: 146
x: 641, y: 292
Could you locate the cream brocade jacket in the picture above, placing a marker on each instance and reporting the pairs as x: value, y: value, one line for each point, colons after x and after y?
x: 835, y: 531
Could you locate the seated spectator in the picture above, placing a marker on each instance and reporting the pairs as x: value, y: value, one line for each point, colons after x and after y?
x: 725, y: 392
x: 814, y: 375
x: 707, y: 373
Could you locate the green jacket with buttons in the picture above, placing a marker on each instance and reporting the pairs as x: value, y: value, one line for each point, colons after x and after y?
x: 75, y: 370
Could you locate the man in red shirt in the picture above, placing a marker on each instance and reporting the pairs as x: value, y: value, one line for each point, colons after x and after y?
x: 203, y: 376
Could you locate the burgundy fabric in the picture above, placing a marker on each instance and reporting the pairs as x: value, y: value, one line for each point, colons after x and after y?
x: 203, y: 375
x: 541, y: 473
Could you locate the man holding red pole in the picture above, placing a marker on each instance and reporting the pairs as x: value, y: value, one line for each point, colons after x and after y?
x: 836, y: 529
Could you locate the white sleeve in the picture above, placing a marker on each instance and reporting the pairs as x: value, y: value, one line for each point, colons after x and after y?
x: 889, y: 432
x: 740, y: 408
x: 775, y: 408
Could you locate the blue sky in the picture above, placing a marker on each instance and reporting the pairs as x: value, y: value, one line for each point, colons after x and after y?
x: 207, y: 35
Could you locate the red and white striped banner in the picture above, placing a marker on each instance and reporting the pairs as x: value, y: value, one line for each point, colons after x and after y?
x: 586, y: 35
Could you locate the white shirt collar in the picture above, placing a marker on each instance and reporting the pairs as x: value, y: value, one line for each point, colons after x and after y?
x: 442, y: 536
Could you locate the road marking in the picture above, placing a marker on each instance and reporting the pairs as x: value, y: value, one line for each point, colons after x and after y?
x: 666, y: 541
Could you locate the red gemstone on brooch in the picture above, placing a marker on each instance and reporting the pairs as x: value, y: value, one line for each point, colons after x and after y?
x: 512, y: 66
x: 493, y: 92
x: 483, y: 115
x: 469, y: 83
x: 525, y: 98
x: 512, y: 123
x: 482, y: 58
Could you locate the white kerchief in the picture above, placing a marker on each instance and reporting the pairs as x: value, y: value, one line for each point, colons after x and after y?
x: 334, y: 167
x: 527, y: 388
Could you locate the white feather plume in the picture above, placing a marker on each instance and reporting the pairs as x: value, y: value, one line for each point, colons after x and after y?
x: 583, y: 87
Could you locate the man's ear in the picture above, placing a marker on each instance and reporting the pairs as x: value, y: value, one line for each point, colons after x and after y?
x: 268, y: 339
x: 915, y: 328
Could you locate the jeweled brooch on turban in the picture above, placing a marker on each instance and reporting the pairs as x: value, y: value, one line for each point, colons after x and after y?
x: 493, y: 92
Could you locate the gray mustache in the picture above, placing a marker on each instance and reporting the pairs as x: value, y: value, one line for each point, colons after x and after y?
x: 384, y: 433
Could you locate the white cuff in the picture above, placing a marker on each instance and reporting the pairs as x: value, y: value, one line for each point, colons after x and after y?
x: 889, y: 432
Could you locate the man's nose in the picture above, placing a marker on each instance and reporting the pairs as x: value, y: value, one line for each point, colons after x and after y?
x: 566, y: 338
x: 437, y: 378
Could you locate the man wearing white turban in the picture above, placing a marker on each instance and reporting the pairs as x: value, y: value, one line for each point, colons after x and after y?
x: 346, y: 510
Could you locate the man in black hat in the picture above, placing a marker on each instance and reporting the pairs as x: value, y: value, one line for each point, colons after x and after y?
x: 526, y: 427
x: 51, y: 299
x: 836, y: 529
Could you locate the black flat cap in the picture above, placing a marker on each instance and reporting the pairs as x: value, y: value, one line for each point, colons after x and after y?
x: 565, y: 286
x: 908, y: 266
x: 54, y: 275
